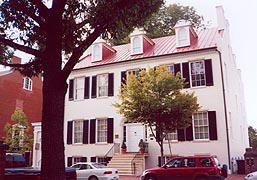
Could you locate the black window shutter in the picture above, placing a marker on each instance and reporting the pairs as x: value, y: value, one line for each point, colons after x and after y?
x: 84, y: 159
x: 123, y: 77
x: 92, y: 131
x: 186, y: 74
x: 110, y: 84
x: 181, y: 135
x: 158, y: 135
x: 85, y: 132
x: 189, y: 133
x: 212, y: 125
x: 177, y: 68
x: 110, y: 130
x: 208, y: 72
x: 159, y: 161
x: 69, y: 132
x: 93, y: 159
x: 71, y: 90
x: 94, y: 83
x: 69, y: 160
x: 86, y: 88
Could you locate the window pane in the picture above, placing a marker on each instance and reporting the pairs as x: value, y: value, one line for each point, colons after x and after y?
x: 198, y: 73
x: 79, y: 88
x: 170, y: 69
x: 137, y: 45
x: 173, y: 136
x: 102, y: 130
x: 102, y: 85
x: 78, y: 131
x: 201, y: 125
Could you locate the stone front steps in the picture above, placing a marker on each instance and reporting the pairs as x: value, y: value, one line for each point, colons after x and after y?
x: 130, y: 164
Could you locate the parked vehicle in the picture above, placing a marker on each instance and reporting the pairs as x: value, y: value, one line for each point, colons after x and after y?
x: 251, y: 176
x: 95, y: 171
x: 188, y: 168
x: 32, y: 173
x: 15, y: 160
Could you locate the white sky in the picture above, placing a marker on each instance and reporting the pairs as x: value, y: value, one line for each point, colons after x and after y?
x: 241, y: 16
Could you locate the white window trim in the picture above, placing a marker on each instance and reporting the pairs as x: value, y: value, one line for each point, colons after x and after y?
x: 190, y: 74
x: 73, y: 130
x: 25, y: 85
x: 140, y: 40
x: 97, y: 121
x: 97, y: 55
x: 193, y: 125
x: 172, y: 140
x: 186, y: 39
x: 98, y: 84
x: 75, y: 94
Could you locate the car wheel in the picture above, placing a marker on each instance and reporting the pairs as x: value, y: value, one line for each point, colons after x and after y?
x: 151, y: 177
x: 201, y: 178
x: 93, y: 178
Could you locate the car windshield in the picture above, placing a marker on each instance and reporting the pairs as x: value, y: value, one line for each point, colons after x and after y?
x: 98, y: 165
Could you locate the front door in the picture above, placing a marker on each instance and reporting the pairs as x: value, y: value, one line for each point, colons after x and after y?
x: 135, y: 132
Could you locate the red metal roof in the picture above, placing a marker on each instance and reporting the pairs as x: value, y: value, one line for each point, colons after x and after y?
x: 207, y: 38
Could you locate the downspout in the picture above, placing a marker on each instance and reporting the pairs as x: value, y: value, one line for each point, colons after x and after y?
x: 225, y: 109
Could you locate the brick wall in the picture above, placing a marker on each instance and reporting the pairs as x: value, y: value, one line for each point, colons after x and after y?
x: 250, y: 160
x: 13, y: 95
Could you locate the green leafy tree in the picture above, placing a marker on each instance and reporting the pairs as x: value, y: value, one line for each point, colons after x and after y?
x: 50, y: 29
x: 252, y: 132
x: 156, y: 98
x: 17, y: 133
x: 161, y: 23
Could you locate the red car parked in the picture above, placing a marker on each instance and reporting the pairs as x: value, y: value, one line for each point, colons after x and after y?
x: 188, y: 168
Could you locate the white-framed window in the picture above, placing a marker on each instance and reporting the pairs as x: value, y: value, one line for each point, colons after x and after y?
x: 76, y: 160
x: 170, y: 69
x: 78, y: 131
x: 137, y: 45
x: 201, y: 125
x: 173, y: 136
x: 102, y: 87
x: 79, y: 88
x: 133, y: 71
x: 182, y: 37
x: 197, y: 70
x: 18, y: 134
x: 101, y: 130
x: 96, y: 52
x: 27, y: 83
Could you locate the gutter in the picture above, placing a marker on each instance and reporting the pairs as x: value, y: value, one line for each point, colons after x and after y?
x: 225, y: 109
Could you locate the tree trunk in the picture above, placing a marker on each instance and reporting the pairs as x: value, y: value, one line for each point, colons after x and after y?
x: 54, y: 90
x: 162, y: 155
x: 53, y: 162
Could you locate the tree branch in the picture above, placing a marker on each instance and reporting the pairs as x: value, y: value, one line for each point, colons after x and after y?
x: 26, y: 65
x: 43, y: 10
x: 22, y: 7
x: 78, y: 52
x: 25, y: 49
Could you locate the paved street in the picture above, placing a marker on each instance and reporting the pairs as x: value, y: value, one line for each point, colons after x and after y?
x: 231, y: 177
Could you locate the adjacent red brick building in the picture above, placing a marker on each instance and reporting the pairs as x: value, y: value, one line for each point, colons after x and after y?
x: 17, y: 91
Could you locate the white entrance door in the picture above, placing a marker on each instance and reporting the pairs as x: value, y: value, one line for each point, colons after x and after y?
x: 135, y: 132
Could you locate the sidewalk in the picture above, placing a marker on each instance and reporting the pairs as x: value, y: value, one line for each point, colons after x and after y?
x: 230, y: 177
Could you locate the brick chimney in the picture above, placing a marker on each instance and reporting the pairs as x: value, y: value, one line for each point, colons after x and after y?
x: 16, y: 60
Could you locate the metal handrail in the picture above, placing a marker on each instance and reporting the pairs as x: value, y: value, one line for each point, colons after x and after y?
x: 107, y: 153
x: 133, y: 164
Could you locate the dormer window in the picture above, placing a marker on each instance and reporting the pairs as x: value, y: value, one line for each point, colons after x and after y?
x: 96, y: 52
x: 137, y: 45
x: 185, y: 34
x: 27, y: 83
x: 183, y: 39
